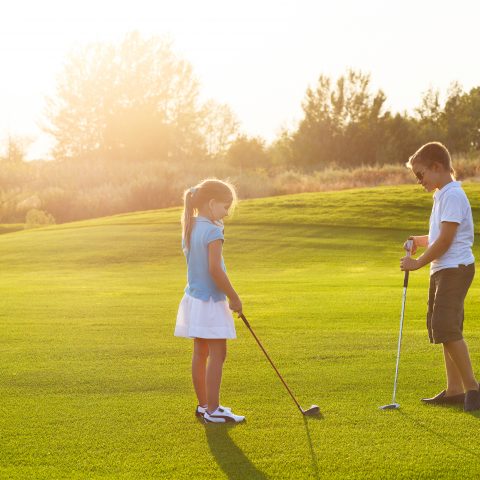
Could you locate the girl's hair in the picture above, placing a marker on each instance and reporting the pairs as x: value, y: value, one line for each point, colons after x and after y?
x: 430, y: 153
x: 195, y: 197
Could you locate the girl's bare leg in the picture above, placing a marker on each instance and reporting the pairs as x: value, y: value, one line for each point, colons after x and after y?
x: 217, y: 354
x: 199, y: 367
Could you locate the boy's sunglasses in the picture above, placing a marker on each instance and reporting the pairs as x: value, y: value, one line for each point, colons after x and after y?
x: 419, y: 176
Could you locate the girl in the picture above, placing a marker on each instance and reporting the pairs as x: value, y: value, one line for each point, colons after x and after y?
x: 204, y: 313
x: 452, y: 268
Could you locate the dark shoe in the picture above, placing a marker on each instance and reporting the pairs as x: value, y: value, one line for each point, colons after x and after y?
x: 442, y: 399
x: 472, y: 401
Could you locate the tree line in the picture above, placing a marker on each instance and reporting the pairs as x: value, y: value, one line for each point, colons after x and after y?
x: 131, y: 133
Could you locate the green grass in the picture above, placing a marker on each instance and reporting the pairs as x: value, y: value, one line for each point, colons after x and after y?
x: 94, y: 385
x: 10, y: 227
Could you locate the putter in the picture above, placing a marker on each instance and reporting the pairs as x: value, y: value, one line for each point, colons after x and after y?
x: 394, y: 405
x: 314, y: 409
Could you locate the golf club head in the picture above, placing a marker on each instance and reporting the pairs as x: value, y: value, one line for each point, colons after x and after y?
x: 392, y: 406
x: 313, y: 410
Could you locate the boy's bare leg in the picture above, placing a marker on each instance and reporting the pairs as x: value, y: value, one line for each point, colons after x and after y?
x: 458, y: 352
x: 454, y: 379
x: 199, y: 367
x: 217, y: 355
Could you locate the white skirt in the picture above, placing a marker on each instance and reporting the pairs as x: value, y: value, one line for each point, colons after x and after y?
x: 199, y: 319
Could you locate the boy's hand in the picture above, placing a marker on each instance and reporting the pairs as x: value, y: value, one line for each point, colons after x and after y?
x: 413, y: 250
x: 409, y: 263
x: 235, y: 305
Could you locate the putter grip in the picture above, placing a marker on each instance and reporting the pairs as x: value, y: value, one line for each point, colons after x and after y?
x: 408, y: 249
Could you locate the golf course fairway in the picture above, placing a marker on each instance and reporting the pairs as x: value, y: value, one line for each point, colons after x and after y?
x: 93, y: 384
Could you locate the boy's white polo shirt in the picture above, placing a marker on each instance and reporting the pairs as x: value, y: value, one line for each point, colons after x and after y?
x: 450, y: 204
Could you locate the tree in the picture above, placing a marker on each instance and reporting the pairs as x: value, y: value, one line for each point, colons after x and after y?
x: 430, y: 108
x: 219, y: 127
x: 247, y: 153
x: 400, y: 137
x: 136, y: 100
x: 462, y: 120
x: 15, y: 149
x: 430, y: 118
x: 280, y: 152
x: 340, y: 122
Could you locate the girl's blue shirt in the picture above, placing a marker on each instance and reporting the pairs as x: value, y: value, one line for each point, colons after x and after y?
x: 200, y: 283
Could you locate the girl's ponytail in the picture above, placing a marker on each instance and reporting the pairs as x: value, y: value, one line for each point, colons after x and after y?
x: 187, y: 216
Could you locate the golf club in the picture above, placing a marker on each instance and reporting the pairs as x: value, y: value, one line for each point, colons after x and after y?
x: 394, y: 405
x: 314, y: 409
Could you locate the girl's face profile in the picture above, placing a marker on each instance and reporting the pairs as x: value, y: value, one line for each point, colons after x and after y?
x: 219, y: 209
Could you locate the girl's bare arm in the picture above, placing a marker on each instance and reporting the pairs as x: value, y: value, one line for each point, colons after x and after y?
x: 220, y: 277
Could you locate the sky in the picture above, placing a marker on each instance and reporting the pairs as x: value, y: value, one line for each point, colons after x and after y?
x: 259, y: 57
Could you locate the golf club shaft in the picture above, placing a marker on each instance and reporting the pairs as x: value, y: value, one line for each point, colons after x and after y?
x: 404, y: 299
x: 242, y: 316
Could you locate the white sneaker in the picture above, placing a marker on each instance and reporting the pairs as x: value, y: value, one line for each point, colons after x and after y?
x: 200, y: 411
x: 222, y: 415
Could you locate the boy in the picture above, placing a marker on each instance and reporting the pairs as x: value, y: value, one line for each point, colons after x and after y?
x: 452, y: 268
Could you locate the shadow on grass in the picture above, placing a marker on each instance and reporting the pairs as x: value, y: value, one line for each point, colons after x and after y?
x: 475, y: 414
x: 228, y: 456
x: 445, y: 438
x: 313, y: 455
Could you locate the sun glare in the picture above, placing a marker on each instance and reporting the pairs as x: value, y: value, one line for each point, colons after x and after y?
x: 258, y: 57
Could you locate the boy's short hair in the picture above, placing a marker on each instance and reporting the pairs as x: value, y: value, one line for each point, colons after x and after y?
x: 430, y: 153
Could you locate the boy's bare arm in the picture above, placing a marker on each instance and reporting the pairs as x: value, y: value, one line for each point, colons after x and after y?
x: 420, y: 240
x: 435, y: 250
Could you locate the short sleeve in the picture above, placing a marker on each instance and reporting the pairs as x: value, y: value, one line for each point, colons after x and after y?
x: 214, y: 233
x: 452, y: 209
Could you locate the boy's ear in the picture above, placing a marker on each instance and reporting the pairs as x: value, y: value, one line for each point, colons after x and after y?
x: 438, y: 167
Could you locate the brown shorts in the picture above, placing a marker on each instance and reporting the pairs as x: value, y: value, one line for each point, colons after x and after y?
x: 448, y: 289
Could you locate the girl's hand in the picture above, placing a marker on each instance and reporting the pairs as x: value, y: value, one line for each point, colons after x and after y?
x: 409, y: 263
x: 414, y: 245
x: 235, y: 305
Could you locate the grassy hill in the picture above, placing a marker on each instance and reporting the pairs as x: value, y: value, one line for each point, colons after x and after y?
x: 94, y: 385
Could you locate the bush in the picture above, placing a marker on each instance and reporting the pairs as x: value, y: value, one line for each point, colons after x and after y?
x: 71, y: 191
x: 38, y: 218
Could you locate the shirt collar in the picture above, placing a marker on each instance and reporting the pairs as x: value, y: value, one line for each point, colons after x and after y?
x: 199, y: 218
x: 446, y: 188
